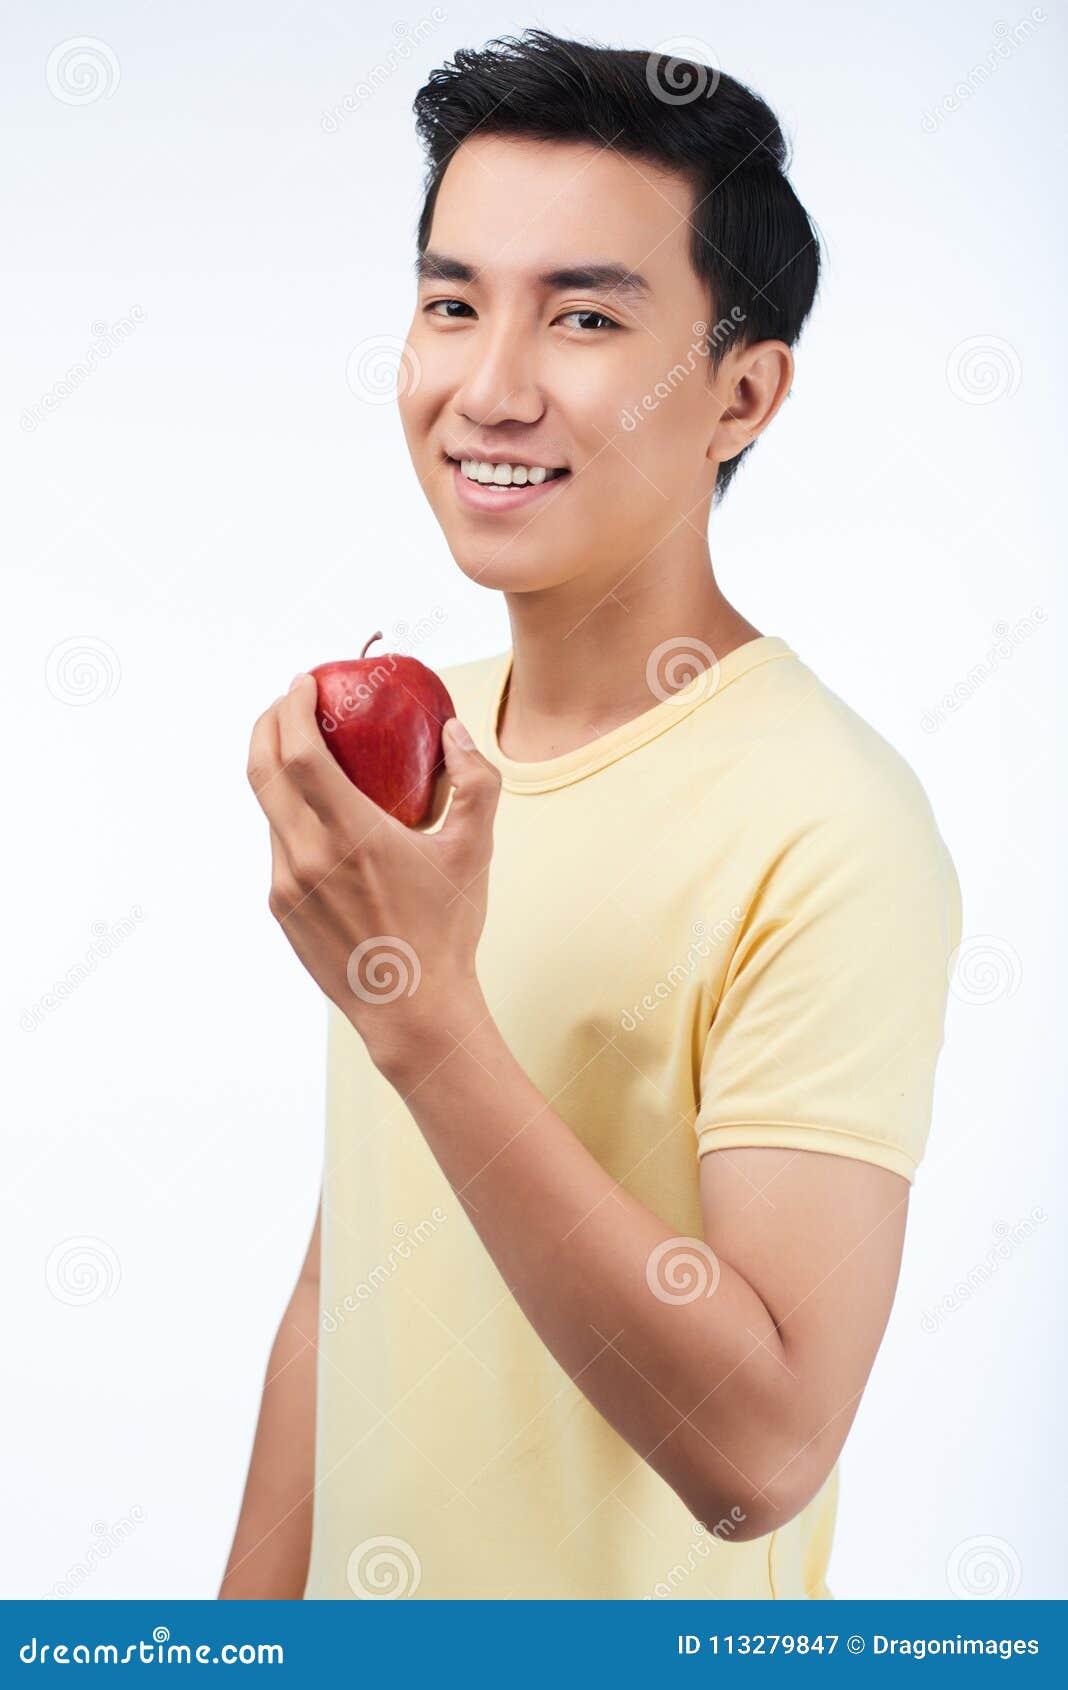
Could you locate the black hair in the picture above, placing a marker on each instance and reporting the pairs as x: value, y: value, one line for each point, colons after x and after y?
x: 752, y: 242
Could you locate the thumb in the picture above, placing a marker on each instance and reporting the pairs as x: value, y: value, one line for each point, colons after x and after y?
x: 477, y: 782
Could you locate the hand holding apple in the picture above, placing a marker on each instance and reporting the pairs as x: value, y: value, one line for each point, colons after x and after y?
x: 386, y: 918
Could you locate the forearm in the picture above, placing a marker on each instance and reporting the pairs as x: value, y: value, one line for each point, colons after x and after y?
x: 698, y: 1388
x: 272, y: 1543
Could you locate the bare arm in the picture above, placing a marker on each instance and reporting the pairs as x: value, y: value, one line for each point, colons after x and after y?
x: 820, y: 1238
x: 272, y: 1544
x: 739, y: 1394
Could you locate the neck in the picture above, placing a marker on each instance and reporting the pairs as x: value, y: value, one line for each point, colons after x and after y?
x: 582, y: 651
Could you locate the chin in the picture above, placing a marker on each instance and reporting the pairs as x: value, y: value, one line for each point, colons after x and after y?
x: 511, y: 570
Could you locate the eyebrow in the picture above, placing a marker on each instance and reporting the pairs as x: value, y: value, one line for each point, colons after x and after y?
x: 597, y: 278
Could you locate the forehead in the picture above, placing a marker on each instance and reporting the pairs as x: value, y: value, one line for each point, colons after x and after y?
x: 513, y: 205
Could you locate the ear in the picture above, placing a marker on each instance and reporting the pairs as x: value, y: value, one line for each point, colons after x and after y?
x: 751, y: 384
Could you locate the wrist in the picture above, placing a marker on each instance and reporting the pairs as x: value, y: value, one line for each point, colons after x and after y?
x: 426, y: 1030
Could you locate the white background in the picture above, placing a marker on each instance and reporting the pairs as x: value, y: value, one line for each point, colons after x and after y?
x: 212, y: 508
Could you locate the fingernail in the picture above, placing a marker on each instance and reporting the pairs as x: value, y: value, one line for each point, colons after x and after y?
x: 295, y: 679
x: 460, y: 734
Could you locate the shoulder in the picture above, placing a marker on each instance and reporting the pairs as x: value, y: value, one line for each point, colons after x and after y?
x: 836, y: 797
x: 825, y: 757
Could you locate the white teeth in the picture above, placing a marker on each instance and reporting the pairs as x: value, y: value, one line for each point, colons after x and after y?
x: 503, y: 475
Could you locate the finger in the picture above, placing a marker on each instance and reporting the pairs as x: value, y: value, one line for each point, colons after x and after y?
x: 312, y: 767
x: 281, y: 864
x: 440, y: 797
x: 476, y: 783
x: 264, y: 769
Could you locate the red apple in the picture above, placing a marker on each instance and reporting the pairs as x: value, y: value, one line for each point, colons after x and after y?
x: 382, y: 718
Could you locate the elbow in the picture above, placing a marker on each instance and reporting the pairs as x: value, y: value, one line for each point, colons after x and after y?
x: 748, y: 1514
x: 731, y: 1522
x: 776, y: 1487
x: 747, y: 1463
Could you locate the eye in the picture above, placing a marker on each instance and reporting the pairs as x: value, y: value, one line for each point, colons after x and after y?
x: 460, y: 305
x: 599, y: 326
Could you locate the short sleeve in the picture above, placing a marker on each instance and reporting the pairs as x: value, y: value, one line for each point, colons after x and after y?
x: 828, y: 1029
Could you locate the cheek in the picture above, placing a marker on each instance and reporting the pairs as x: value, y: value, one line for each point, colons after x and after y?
x: 635, y: 425
x: 417, y: 412
x: 429, y: 377
x: 407, y: 416
x: 668, y: 434
x: 417, y: 376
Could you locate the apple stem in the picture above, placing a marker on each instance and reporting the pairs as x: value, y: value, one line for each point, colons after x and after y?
x: 371, y: 641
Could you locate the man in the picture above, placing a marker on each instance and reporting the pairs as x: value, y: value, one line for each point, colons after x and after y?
x: 623, y: 1119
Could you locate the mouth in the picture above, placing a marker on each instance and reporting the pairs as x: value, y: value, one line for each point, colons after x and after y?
x: 490, y: 486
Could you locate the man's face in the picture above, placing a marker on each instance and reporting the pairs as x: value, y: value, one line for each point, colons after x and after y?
x: 517, y: 357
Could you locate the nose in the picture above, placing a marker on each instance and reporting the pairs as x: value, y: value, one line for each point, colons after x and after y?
x: 500, y: 384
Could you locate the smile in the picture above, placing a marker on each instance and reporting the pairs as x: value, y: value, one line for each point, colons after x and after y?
x: 485, y: 486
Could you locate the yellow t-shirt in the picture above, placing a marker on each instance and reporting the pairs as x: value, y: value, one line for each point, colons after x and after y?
x: 726, y: 922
